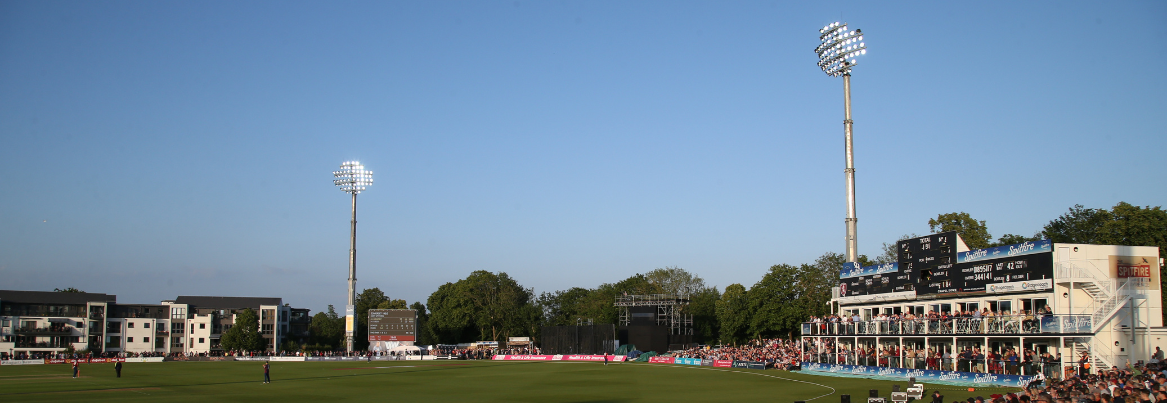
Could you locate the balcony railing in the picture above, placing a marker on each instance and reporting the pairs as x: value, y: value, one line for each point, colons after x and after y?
x: 995, y: 325
x: 45, y: 331
x: 21, y: 344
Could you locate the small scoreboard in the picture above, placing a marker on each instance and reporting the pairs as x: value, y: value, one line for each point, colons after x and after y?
x: 392, y: 325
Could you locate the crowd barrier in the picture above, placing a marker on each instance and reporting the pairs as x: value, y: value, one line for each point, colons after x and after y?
x: 145, y: 359
x: 560, y: 357
x: 950, y: 377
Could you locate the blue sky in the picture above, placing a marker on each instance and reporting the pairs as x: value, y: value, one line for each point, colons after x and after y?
x: 156, y: 149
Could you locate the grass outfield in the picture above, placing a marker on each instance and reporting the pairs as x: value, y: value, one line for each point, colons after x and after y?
x: 461, y: 381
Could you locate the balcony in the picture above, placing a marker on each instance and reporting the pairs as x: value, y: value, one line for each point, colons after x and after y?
x: 45, y: 331
x: 42, y: 344
x: 987, y: 326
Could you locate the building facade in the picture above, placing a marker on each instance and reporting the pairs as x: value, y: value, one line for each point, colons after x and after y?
x: 55, y: 322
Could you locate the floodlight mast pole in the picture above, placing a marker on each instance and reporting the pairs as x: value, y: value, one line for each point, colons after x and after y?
x: 852, y: 220
x: 352, y: 178
x: 837, y: 54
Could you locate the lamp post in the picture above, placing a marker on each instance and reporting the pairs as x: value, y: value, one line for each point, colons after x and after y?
x: 352, y: 178
x: 837, y: 54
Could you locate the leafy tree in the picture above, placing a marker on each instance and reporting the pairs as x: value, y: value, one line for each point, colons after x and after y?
x: 70, y: 289
x: 422, y: 329
x: 675, y: 280
x: 1013, y: 239
x: 450, y: 319
x: 733, y: 314
x: 561, y: 308
x: 703, y: 307
x: 816, y: 281
x: 1080, y: 225
x: 326, y: 329
x: 500, y: 305
x: 244, y: 334
x: 485, y: 306
x: 774, y: 303
x: 975, y: 233
x: 392, y: 304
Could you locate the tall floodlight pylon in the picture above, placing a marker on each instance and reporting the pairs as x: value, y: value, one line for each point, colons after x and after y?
x: 352, y: 178
x: 837, y: 54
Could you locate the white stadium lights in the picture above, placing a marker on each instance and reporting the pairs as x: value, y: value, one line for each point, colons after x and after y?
x: 839, y: 48
x: 352, y: 177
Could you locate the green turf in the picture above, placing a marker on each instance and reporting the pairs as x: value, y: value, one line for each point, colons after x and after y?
x: 462, y: 381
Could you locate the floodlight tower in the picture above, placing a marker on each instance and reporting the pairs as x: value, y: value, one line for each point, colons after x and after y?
x: 352, y: 178
x: 836, y: 57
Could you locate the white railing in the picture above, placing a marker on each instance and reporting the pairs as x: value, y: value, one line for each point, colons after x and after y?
x: 1070, y: 270
x: 1107, y: 308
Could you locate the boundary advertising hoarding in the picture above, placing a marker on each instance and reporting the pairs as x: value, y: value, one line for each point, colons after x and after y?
x: 560, y: 357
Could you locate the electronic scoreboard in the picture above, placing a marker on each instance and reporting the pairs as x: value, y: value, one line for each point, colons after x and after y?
x: 392, y: 325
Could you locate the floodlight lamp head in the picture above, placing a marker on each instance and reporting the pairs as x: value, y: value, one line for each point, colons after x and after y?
x: 352, y: 177
x: 838, y: 48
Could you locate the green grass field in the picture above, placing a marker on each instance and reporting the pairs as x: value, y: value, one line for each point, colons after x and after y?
x: 461, y: 381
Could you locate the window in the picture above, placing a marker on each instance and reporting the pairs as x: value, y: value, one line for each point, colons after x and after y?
x: 130, y: 325
x: 146, y: 325
x: 129, y: 340
x: 113, y: 327
x: 202, y: 325
x: 201, y: 340
x: 267, y: 328
x: 145, y: 339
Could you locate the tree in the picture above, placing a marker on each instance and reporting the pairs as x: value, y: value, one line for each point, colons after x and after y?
x: 561, y: 308
x: 1080, y: 225
x: 733, y: 314
x: 675, y: 280
x: 244, y: 334
x: 450, y: 315
x: 817, y: 280
x: 703, y: 307
x: 421, y: 328
x: 1013, y: 239
x: 975, y: 233
x: 485, y: 306
x: 70, y: 289
x: 392, y: 304
x: 775, y: 305
x: 326, y: 329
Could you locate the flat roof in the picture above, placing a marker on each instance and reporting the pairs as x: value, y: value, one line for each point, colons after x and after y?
x: 54, y: 297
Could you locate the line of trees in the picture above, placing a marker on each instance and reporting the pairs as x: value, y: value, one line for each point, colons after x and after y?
x: 494, y: 306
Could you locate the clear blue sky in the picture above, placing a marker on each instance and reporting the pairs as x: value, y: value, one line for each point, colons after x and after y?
x: 156, y: 149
